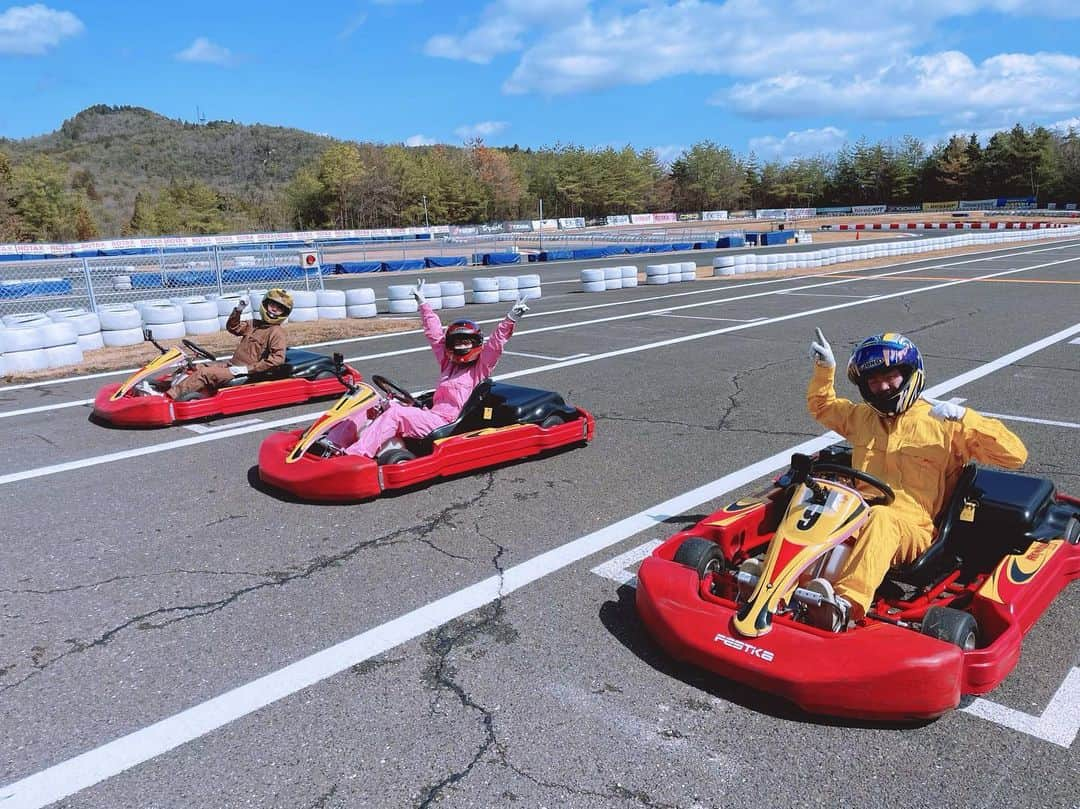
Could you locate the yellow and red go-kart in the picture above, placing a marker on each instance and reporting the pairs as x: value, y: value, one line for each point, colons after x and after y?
x: 727, y: 594
x: 498, y: 424
x: 305, y: 375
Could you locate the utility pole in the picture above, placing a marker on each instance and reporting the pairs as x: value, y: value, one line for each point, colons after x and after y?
x: 426, y: 223
x: 541, y: 228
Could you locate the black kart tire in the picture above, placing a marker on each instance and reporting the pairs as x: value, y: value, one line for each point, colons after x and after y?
x: 554, y: 420
x: 701, y: 554
x: 952, y: 626
x: 393, y: 456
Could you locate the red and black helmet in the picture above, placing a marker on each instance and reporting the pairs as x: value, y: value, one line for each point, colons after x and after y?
x: 464, y: 341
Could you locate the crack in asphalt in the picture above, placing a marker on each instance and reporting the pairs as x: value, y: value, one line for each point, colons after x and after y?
x: 617, y: 790
x: 323, y: 800
x: 102, y: 582
x: 734, y: 381
x: 442, y: 671
x: 445, y: 518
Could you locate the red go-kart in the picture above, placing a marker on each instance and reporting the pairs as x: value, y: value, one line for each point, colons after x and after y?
x: 727, y: 594
x: 499, y: 423
x: 304, y: 375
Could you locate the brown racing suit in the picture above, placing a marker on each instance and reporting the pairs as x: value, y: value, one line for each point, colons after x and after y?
x: 262, y: 346
x: 921, y: 458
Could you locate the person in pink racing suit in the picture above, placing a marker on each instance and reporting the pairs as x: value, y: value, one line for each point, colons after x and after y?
x: 465, y: 360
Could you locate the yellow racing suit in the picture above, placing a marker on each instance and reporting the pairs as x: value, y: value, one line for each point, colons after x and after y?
x: 921, y: 458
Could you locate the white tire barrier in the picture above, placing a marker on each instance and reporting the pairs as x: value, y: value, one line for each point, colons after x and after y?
x: 400, y: 292
x: 592, y: 280
x: 121, y: 283
x: 160, y: 313
x: 58, y: 356
x: 530, y: 281
x: 174, y: 331
x: 123, y: 337
x: 360, y: 296
x: 724, y: 265
x: 229, y: 301
x: 207, y: 325
x: 612, y: 278
x: 333, y: 312
x: 58, y: 334
x: 452, y: 288
x: 16, y: 362
x: 84, y: 323
x: 362, y: 310
x: 65, y: 312
x: 455, y: 301
x: 508, y: 287
x: 25, y: 319
x: 119, y: 317
x: 689, y: 270
x: 629, y: 276
x: 485, y: 296
x: 91, y: 342
x: 23, y: 338
x: 303, y: 298
x: 674, y: 273
x: 485, y: 285
x: 529, y: 293
x: 303, y: 314
x: 181, y: 300
x: 330, y: 297
x: 656, y: 274
x: 400, y: 306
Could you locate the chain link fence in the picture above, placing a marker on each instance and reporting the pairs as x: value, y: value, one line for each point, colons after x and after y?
x: 93, y: 281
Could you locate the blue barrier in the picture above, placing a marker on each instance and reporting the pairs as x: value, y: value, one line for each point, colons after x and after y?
x: 403, y: 264
x: 14, y: 289
x: 777, y: 237
x: 588, y: 252
x: 350, y: 267
x: 683, y: 246
x: 502, y: 258
x: 50, y: 286
x: 638, y: 248
x: 752, y: 238
x: 554, y: 255
x: 614, y: 250
x: 445, y: 261
x: 659, y: 248
x: 146, y: 280
x: 731, y: 241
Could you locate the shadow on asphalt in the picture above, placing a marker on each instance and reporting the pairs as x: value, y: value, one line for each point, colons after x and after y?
x: 620, y: 618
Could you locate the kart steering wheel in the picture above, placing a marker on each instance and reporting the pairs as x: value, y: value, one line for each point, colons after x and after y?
x: 202, y: 352
x: 886, y: 496
x: 393, y: 390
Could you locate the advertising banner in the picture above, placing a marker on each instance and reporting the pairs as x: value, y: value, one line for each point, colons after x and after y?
x: 463, y: 230
x: 904, y: 208
x: 664, y: 217
x: 951, y: 205
x: 571, y: 222
x: 549, y: 224
x: 1016, y: 203
x: 770, y: 213
x: 867, y: 210
x: 618, y: 219
x: 741, y: 214
x: 715, y: 216
x: 978, y: 204
x: 520, y: 226
x: 800, y: 213
x: 834, y: 211
x: 494, y: 227
x: 641, y: 218
x: 689, y: 217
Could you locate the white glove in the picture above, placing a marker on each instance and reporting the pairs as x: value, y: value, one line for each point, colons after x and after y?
x: 518, y: 309
x: 821, y: 351
x: 946, y: 411
x: 238, y: 370
x: 240, y: 306
x: 418, y: 293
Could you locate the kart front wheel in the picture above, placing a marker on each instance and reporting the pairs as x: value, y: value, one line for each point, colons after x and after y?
x: 701, y: 554
x: 952, y: 626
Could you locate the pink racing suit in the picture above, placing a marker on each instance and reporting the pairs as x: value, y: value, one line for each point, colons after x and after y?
x: 456, y: 383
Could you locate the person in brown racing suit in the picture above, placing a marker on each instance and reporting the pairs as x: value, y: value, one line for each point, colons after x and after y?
x: 262, y: 347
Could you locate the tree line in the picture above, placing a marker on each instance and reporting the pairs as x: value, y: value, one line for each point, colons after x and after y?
x: 366, y: 185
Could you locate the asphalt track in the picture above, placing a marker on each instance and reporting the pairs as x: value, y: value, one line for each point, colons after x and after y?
x: 174, y: 636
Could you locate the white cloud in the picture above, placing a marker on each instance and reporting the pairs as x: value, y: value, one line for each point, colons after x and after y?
x: 484, y: 129
x: 419, y: 140
x: 203, y: 50
x: 1001, y: 90
x: 33, y: 30
x: 350, y: 27
x: 503, y: 24
x: 669, y: 154
x: 804, y: 143
x: 1066, y: 125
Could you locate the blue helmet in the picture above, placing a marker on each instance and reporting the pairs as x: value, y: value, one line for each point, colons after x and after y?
x: 888, y: 350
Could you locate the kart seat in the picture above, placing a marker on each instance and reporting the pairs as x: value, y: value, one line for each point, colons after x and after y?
x: 467, y: 420
x: 299, y: 364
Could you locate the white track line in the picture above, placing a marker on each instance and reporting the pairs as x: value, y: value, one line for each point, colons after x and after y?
x: 98, y: 460
x: 43, y: 408
x: 70, y: 776
x: 983, y: 256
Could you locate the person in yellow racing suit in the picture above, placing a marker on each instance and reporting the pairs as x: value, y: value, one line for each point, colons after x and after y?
x: 917, y: 445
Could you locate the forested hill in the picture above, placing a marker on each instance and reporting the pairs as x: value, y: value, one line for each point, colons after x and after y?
x: 126, y: 150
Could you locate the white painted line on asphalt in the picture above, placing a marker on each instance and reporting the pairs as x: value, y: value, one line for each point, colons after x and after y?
x: 1075, y: 342
x: 668, y: 313
x: 89, y: 768
x: 43, y: 408
x: 1057, y: 724
x: 204, y: 429
x: 617, y: 568
x: 97, y: 460
x: 983, y: 256
x: 544, y: 356
x: 821, y: 294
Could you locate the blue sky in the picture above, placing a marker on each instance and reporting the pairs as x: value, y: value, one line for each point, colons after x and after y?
x: 782, y: 78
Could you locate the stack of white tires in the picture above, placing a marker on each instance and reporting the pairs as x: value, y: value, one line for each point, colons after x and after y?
x: 332, y: 304
x: 657, y: 274
x: 529, y: 286
x: 453, y: 294
x: 400, y: 300
x: 724, y: 265
x: 432, y: 292
x: 508, y: 288
x: 225, y: 305
x: 305, y: 306
x: 485, y: 290
x: 360, y: 303
x: 688, y: 270
x: 35, y: 342
x: 165, y: 319
x: 629, y: 276
x: 592, y: 280
x: 87, y: 326
x: 200, y: 315
x: 121, y: 324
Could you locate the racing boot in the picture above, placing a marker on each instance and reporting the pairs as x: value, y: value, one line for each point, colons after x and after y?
x: 833, y: 613
x: 144, y: 388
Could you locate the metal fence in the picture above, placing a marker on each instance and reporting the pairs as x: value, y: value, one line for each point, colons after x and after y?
x: 37, y: 286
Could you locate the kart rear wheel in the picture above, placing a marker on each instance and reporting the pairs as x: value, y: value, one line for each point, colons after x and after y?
x: 952, y: 626
x: 393, y: 456
x: 1072, y: 531
x: 554, y: 420
x: 701, y: 554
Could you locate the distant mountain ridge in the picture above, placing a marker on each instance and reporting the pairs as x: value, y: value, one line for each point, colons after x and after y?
x: 130, y: 149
